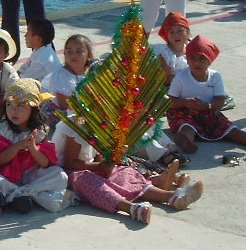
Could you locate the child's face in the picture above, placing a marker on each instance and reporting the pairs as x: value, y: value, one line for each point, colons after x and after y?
x: 198, y: 64
x: 3, y: 53
x: 178, y: 35
x: 30, y: 38
x: 18, y: 113
x: 76, y: 54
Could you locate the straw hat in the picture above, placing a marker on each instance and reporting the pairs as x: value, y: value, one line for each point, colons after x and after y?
x: 24, y: 90
x: 9, y: 40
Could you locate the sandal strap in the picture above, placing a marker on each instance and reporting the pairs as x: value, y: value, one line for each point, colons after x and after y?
x: 137, y: 209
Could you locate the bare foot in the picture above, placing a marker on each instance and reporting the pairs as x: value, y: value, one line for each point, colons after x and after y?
x: 182, y: 180
x: 165, y: 180
x: 185, y: 143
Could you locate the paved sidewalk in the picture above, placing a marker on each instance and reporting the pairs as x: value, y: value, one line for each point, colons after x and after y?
x: 217, y: 221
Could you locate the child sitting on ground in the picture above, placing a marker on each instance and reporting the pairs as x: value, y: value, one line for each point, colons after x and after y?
x: 8, y: 73
x: 175, y: 31
x: 110, y: 187
x: 197, y: 95
x: 62, y: 82
x: 43, y: 60
x: 27, y: 171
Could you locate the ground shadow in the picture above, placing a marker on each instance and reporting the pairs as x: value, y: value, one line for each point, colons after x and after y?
x: 13, y: 224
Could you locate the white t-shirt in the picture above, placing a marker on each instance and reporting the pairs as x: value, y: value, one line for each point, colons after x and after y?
x: 185, y: 86
x: 176, y: 63
x: 87, y: 152
x: 61, y: 81
x: 41, y: 62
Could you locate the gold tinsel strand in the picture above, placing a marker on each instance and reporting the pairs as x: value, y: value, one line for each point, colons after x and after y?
x: 134, y: 30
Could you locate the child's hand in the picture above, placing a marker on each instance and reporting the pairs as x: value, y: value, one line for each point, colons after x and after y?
x: 30, y: 140
x: 194, y: 105
x: 21, y: 145
x: 98, y: 158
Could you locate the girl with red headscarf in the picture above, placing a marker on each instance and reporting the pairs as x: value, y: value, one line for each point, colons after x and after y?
x: 175, y: 31
x: 197, y: 95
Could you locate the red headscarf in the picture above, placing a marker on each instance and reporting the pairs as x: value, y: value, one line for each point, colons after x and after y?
x: 200, y: 45
x: 172, y: 19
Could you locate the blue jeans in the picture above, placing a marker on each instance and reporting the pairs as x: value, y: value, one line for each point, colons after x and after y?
x: 10, y: 18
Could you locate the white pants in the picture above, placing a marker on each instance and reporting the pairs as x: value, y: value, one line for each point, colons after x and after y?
x: 150, y: 11
x: 47, y: 186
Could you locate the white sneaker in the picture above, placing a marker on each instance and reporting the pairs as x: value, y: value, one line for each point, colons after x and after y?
x: 183, y: 197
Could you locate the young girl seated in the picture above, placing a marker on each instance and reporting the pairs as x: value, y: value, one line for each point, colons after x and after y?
x: 27, y: 171
x: 175, y: 31
x: 197, y: 95
x: 110, y: 187
x: 62, y: 82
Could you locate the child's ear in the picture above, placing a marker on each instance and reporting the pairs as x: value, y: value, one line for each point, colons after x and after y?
x: 6, y: 55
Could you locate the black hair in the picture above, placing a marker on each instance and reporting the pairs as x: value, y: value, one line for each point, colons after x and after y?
x: 43, y: 28
x: 36, y: 121
x: 5, y: 45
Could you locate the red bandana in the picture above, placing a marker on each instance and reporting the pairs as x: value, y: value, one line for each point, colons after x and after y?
x: 200, y: 45
x: 172, y: 19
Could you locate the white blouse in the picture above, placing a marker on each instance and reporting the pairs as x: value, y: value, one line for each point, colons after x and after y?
x: 87, y: 152
x: 61, y: 81
x: 176, y: 63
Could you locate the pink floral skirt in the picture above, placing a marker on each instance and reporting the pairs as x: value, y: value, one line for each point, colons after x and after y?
x: 124, y: 183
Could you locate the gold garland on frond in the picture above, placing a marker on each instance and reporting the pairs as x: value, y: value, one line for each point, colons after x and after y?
x: 133, y: 31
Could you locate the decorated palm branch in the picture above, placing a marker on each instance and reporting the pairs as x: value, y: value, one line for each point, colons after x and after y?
x: 121, y: 99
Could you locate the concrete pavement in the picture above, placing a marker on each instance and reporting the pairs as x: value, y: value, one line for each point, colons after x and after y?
x: 217, y: 220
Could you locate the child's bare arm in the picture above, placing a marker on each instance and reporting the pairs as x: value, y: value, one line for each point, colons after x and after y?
x: 62, y: 100
x: 180, y: 103
x: 217, y: 103
x: 72, y: 161
x: 71, y: 157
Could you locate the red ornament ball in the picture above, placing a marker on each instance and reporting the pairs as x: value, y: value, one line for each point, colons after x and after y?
x: 135, y: 91
x: 92, y: 141
x: 104, y: 125
x: 116, y: 82
x: 142, y: 50
x: 141, y: 79
x: 125, y: 62
x: 150, y: 120
x: 138, y: 104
